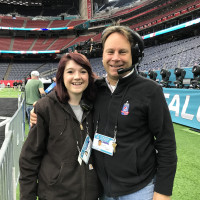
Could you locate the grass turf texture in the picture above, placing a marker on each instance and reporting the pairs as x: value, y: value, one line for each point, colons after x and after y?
x: 9, y: 93
x: 187, y: 180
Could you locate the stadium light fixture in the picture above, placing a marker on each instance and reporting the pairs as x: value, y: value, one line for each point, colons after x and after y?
x: 152, y: 75
x: 196, y: 77
x: 180, y: 75
x: 165, y: 77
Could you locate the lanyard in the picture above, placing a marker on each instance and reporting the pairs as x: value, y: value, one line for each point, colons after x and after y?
x: 76, y: 134
x: 116, y: 122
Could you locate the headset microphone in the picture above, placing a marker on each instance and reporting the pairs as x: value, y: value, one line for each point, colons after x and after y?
x: 122, y: 70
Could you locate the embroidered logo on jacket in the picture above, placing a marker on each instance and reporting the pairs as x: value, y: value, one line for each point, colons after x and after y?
x: 125, y: 109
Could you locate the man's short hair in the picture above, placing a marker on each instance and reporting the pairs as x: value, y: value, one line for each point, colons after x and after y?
x: 35, y: 73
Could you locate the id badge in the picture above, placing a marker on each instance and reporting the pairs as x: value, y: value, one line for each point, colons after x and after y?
x: 103, y: 144
x: 86, y: 149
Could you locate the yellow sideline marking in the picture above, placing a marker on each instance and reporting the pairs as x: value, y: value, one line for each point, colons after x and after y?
x: 190, y: 131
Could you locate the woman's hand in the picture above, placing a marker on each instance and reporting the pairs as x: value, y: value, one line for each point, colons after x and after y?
x: 158, y: 196
x: 33, y: 116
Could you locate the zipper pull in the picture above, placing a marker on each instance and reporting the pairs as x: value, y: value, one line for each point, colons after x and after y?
x: 81, y: 127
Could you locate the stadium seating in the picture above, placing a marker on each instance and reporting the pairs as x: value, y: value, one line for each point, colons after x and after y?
x: 42, y: 44
x: 22, y: 44
x: 97, y: 38
x: 60, y: 43
x: 48, y: 70
x: 5, y: 43
x: 59, y: 23
x: 37, y: 24
x: 97, y: 66
x: 75, y: 22
x: 12, y: 22
x: 3, y: 69
x: 21, y: 70
x: 182, y: 53
x: 161, y: 14
x: 79, y: 39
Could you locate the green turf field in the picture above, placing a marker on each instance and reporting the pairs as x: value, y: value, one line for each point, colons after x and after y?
x: 9, y: 93
x: 187, y: 180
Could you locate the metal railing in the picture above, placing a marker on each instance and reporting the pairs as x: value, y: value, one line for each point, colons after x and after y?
x: 10, y: 151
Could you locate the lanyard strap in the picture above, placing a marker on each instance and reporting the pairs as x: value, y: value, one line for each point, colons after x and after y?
x: 116, y: 123
x: 76, y: 134
x: 118, y: 111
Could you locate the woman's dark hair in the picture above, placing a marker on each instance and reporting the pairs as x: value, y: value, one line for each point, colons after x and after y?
x: 61, y: 90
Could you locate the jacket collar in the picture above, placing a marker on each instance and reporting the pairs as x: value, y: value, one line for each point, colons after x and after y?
x: 66, y: 107
x: 128, y: 78
x: 124, y: 80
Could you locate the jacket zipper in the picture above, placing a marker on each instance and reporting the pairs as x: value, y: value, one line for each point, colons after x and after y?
x: 81, y: 127
x: 109, y: 185
x: 83, y: 168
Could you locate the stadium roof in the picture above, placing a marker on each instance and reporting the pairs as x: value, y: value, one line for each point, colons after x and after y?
x: 39, y: 2
x: 65, y: 6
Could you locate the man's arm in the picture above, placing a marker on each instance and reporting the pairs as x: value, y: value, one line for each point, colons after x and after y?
x: 42, y: 92
x: 161, y: 127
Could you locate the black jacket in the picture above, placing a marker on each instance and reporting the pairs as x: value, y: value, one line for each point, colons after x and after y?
x: 145, y: 137
x: 49, y: 165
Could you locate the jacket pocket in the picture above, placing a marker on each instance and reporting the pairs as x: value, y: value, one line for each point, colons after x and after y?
x: 125, y: 167
x: 67, y: 171
x: 62, y: 182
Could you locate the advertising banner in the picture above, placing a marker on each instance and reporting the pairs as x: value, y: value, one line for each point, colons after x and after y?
x: 184, y: 106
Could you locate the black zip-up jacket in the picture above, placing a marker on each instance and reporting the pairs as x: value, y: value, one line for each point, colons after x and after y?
x: 49, y: 165
x: 145, y: 137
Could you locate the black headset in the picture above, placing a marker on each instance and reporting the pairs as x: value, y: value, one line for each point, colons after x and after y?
x: 137, y: 51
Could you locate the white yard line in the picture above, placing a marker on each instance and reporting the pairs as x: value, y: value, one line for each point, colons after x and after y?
x: 190, y: 131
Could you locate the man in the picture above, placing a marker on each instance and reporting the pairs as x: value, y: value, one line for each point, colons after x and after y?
x: 133, y: 112
x: 15, y: 84
x: 91, y: 43
x: 138, y: 159
x: 34, y: 89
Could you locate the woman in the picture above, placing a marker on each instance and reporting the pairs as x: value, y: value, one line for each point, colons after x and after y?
x: 55, y: 161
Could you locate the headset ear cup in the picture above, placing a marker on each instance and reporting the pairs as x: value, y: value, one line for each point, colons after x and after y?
x: 135, y: 54
x: 138, y: 49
